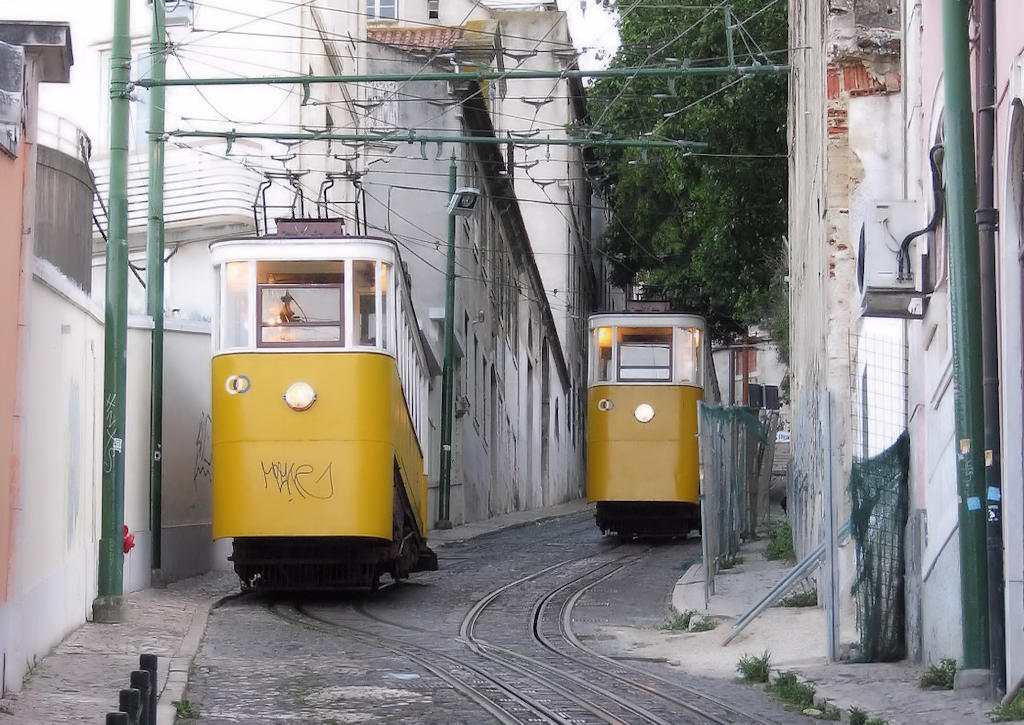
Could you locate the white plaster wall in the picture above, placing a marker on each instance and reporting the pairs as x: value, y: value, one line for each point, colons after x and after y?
x: 57, y: 515
x: 1010, y: 369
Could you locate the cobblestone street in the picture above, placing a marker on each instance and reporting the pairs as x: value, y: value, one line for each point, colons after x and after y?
x: 447, y: 647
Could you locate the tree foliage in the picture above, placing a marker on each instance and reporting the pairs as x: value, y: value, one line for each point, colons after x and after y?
x: 704, y: 229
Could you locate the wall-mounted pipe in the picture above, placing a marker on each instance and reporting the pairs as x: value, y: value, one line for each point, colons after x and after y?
x: 987, y: 217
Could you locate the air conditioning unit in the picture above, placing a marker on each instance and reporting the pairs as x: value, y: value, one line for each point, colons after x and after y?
x: 884, y: 289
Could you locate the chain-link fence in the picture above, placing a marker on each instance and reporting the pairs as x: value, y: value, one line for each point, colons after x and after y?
x: 736, y: 453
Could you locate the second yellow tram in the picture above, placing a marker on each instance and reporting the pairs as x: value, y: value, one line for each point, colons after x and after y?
x: 646, y: 379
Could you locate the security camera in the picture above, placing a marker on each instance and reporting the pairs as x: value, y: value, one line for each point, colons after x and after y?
x: 463, y: 201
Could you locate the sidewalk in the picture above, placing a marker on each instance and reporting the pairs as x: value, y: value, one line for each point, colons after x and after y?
x: 795, y: 637
x: 79, y: 681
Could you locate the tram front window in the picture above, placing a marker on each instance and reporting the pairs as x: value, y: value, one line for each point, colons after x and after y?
x: 603, y: 363
x: 364, y: 293
x: 236, y: 307
x: 688, y: 352
x: 645, y: 354
x: 300, y: 303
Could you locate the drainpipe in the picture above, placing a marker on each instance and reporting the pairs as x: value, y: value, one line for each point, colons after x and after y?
x: 965, y: 303
x: 988, y: 220
x: 107, y: 606
x: 155, y: 279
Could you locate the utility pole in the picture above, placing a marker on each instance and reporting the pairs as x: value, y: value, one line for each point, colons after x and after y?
x: 448, y: 372
x: 107, y: 606
x: 965, y: 303
x: 155, y: 278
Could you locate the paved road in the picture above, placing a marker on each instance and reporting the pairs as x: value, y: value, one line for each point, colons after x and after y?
x: 463, y: 646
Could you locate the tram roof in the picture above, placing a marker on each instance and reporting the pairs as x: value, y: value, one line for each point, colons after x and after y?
x: 646, y: 319
x: 302, y: 248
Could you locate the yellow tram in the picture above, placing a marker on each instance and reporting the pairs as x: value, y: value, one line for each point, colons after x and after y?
x: 646, y: 378
x: 320, y: 395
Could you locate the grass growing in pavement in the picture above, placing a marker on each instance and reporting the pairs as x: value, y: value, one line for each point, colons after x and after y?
x: 755, y: 668
x: 1013, y: 710
x: 780, y: 543
x: 680, y: 621
x: 800, y: 695
x: 186, y: 710
x: 859, y: 717
x: 728, y: 562
x: 791, y: 691
x: 940, y: 676
x: 808, y: 598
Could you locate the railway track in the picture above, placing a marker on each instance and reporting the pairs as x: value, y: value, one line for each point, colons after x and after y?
x: 518, y: 659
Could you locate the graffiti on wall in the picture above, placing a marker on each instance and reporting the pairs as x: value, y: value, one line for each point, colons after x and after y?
x: 203, y: 468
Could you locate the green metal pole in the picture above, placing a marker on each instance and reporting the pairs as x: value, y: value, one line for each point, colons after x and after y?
x: 483, y: 75
x: 155, y: 279
x: 448, y: 373
x: 965, y: 300
x: 107, y: 606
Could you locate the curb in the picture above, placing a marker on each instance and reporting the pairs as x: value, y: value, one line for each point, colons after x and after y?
x: 177, y: 671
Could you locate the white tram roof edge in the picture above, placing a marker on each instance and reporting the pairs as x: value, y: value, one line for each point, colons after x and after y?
x: 645, y: 319
x: 303, y: 248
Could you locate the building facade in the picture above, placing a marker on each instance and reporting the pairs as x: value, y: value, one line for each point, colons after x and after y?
x: 867, y: 167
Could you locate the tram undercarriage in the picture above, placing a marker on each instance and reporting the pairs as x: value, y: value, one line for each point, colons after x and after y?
x: 647, y: 518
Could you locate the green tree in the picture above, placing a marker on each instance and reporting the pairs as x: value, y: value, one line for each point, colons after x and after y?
x: 703, y: 229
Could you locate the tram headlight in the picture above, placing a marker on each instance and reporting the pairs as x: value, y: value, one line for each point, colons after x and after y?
x: 300, y: 396
x: 644, y: 412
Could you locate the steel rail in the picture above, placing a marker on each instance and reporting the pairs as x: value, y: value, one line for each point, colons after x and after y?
x: 572, y: 639
x: 491, y: 651
x: 427, y: 659
x: 565, y: 626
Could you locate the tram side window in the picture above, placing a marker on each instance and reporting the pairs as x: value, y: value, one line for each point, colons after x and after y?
x: 236, y: 308
x: 364, y: 302
x: 603, y: 354
x: 645, y: 354
x: 688, y: 355
x: 385, y: 310
x: 300, y: 303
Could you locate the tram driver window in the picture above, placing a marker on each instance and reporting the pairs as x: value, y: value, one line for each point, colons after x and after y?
x: 364, y: 291
x: 688, y: 352
x: 236, y: 308
x: 603, y: 363
x: 300, y: 303
x: 645, y: 354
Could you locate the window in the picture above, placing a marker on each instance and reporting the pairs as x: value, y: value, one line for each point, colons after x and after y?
x: 432, y: 9
x: 382, y: 9
x: 645, y: 354
x: 364, y: 302
x: 385, y: 333
x: 236, y: 310
x: 688, y: 355
x: 300, y: 303
x: 603, y: 360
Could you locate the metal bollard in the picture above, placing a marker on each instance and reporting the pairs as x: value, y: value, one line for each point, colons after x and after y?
x: 149, y: 664
x: 116, y: 718
x: 130, y: 702
x: 139, y: 680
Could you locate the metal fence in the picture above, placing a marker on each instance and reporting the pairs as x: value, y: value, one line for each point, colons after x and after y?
x: 736, y: 453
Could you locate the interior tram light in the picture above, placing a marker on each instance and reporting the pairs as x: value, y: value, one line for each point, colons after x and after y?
x: 604, y: 336
x: 300, y: 396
